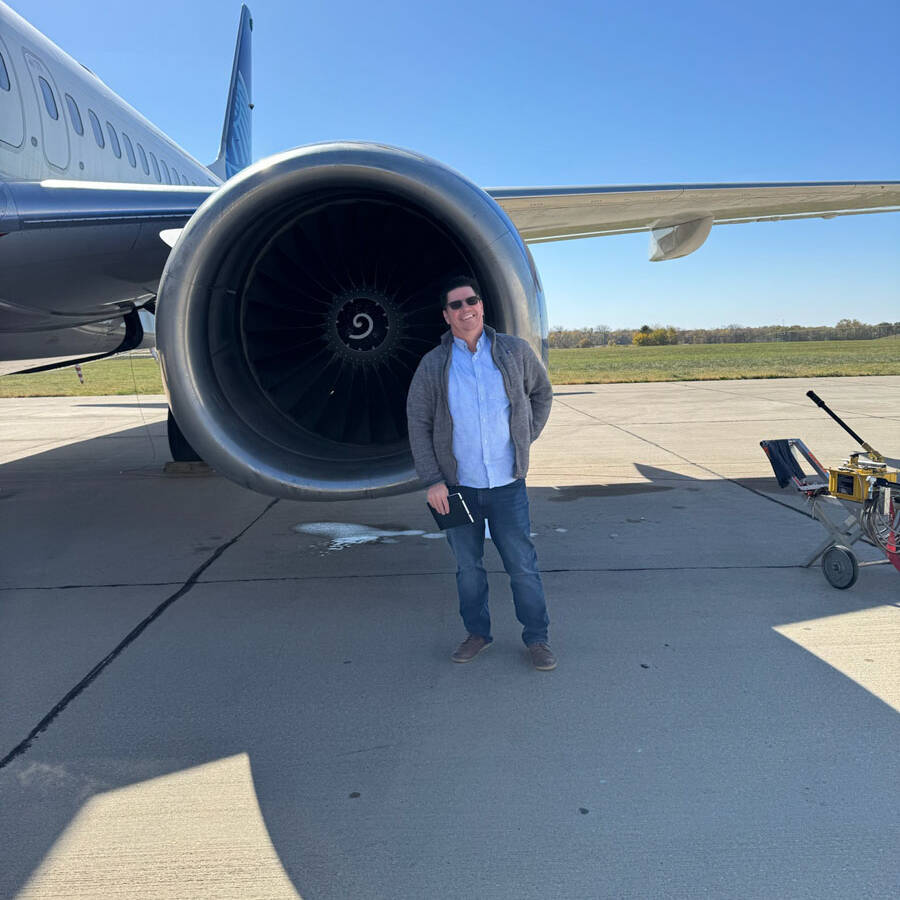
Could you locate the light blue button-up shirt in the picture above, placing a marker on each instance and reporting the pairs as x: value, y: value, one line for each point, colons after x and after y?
x: 483, y: 448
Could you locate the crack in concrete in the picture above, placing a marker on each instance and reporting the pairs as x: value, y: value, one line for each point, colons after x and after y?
x: 266, y: 579
x: 129, y: 639
x: 75, y: 587
x: 742, y: 394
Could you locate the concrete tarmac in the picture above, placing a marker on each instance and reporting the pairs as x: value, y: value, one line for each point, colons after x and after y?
x: 205, y: 693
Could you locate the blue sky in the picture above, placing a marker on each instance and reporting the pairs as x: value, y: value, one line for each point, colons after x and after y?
x: 573, y: 93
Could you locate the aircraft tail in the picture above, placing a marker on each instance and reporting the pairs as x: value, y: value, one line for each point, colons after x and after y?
x: 235, y: 149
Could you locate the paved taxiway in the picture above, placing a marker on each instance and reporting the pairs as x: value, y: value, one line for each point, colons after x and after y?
x: 722, y: 722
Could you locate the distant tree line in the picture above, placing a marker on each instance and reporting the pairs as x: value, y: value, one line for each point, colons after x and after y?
x: 603, y: 335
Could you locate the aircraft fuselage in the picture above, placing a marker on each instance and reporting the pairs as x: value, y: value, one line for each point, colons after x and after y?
x: 68, y: 280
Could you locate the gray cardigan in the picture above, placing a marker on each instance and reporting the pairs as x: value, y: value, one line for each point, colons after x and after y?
x: 428, y: 407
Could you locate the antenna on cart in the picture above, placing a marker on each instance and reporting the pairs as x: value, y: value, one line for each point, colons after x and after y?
x: 874, y: 455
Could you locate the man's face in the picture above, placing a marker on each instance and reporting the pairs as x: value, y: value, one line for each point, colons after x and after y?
x: 467, y: 322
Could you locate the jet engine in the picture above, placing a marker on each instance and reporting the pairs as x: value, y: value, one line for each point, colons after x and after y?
x: 298, y: 301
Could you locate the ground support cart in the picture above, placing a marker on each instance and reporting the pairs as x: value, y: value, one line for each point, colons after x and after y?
x: 859, y: 500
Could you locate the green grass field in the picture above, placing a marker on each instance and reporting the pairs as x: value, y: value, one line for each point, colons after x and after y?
x: 701, y: 362
x: 600, y: 365
x: 106, y: 376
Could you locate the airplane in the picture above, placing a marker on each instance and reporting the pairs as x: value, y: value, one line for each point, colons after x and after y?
x: 293, y: 297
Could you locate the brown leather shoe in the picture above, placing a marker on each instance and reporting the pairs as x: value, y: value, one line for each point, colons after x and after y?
x: 470, y: 648
x: 542, y: 657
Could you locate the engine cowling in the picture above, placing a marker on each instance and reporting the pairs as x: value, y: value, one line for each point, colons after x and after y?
x: 298, y: 301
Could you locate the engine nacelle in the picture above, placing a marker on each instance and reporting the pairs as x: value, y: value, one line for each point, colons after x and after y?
x: 298, y: 301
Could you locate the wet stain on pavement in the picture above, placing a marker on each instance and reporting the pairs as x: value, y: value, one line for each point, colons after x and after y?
x: 347, y: 534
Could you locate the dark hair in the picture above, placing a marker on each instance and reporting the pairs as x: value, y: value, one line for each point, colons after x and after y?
x: 457, y: 281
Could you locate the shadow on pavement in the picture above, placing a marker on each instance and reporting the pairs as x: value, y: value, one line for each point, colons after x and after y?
x: 682, y: 747
x: 135, y: 405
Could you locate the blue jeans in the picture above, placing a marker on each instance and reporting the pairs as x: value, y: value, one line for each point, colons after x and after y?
x: 506, y: 510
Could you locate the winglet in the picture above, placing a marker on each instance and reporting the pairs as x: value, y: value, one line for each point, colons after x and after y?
x: 235, y: 149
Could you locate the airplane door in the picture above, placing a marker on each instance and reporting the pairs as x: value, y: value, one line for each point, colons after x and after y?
x: 52, y: 113
x: 12, y: 121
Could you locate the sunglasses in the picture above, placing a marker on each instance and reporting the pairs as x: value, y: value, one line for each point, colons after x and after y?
x: 457, y: 304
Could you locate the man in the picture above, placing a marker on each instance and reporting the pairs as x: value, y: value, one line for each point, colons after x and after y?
x: 475, y: 405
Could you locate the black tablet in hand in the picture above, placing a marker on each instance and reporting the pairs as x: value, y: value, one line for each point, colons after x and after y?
x: 459, y: 513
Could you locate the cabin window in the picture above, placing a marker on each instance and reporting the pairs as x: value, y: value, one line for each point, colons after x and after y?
x: 114, y: 140
x: 143, y: 158
x: 49, y: 99
x: 155, y: 167
x: 165, y: 170
x: 74, y: 115
x: 4, y: 75
x: 129, y: 150
x: 95, y: 127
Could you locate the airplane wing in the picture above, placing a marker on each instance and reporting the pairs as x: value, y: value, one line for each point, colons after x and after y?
x: 679, y: 216
x: 54, y: 202
x: 78, y: 257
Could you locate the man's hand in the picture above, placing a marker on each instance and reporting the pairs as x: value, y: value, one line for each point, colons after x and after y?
x: 437, y: 498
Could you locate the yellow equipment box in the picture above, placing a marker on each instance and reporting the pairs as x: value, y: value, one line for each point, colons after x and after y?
x: 850, y: 481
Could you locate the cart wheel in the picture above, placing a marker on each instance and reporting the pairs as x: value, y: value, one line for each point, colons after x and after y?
x: 840, y: 567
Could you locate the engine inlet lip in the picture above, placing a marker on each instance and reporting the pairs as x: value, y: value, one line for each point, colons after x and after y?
x: 201, y: 288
